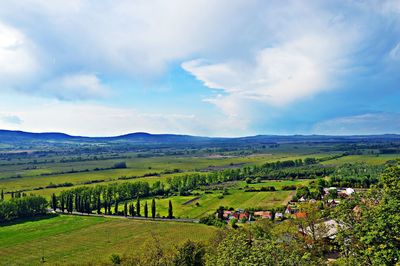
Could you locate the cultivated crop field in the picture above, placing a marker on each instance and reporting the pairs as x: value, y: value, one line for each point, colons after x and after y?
x: 79, y: 240
x: 29, y: 180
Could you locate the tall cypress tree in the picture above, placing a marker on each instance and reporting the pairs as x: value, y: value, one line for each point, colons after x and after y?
x: 54, y: 202
x: 77, y: 204
x: 146, y: 210
x: 70, y: 206
x: 126, y: 209
x: 170, y: 214
x: 133, y: 210
x: 153, y: 208
x: 109, y: 207
x: 2, y: 194
x: 87, y: 205
x: 116, y: 207
x: 82, y: 204
x: 138, y: 207
x: 62, y: 203
x: 67, y: 202
x: 71, y: 201
x: 98, y: 205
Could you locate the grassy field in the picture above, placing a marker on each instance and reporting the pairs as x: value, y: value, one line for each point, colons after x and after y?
x: 209, y: 203
x: 278, y: 184
x: 369, y: 159
x: 81, y: 240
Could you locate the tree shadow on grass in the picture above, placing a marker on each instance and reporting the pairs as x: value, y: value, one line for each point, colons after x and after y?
x: 29, y: 219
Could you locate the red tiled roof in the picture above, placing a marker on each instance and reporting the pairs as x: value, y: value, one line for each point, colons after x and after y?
x: 263, y: 214
x: 300, y: 215
x: 243, y: 215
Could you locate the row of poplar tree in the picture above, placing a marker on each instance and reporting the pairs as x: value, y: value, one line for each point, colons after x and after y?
x: 107, y: 198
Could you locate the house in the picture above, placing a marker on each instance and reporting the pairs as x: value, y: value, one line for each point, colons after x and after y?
x: 278, y: 215
x: 288, y: 210
x: 300, y: 215
x: 302, y: 199
x: 263, y: 214
x: 312, y: 201
x: 326, y: 190
x: 227, y: 214
x: 349, y: 191
x: 342, y: 194
x: 332, y: 202
x: 244, y: 215
x: 240, y: 215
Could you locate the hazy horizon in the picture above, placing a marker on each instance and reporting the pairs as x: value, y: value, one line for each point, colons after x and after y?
x: 205, y: 136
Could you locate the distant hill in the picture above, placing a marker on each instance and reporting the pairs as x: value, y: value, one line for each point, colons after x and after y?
x: 144, y: 138
x: 9, y: 135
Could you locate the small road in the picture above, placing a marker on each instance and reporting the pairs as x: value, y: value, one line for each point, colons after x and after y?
x: 181, y: 220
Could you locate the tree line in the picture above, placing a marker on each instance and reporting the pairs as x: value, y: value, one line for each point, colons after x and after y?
x: 360, y: 175
x: 22, y: 207
x: 107, y: 198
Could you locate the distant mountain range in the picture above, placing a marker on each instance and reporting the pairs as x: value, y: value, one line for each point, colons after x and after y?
x: 142, y: 137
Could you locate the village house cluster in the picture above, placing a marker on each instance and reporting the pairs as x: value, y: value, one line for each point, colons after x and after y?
x: 291, y: 210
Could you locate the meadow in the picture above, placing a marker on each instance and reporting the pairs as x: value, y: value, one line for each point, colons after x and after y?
x: 208, y: 203
x: 365, y: 158
x: 66, y: 240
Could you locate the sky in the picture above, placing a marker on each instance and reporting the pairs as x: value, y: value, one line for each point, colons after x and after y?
x: 200, y: 67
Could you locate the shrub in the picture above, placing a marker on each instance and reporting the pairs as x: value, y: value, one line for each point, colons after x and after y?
x: 289, y: 187
x: 115, y: 259
x: 120, y: 165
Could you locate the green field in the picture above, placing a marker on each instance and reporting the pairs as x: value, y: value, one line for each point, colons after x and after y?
x: 208, y: 203
x: 31, y: 179
x: 369, y: 159
x: 81, y: 240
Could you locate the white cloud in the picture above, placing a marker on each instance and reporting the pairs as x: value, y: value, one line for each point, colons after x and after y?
x: 297, y: 66
x: 278, y: 75
x: 139, y: 37
x: 18, y: 64
x: 76, y: 86
x: 369, y: 123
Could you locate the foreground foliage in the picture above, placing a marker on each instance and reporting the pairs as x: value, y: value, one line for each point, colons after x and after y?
x: 371, y: 231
